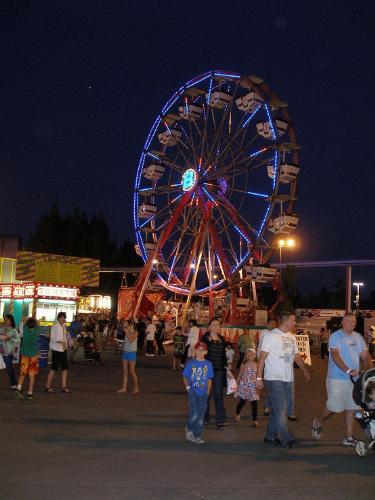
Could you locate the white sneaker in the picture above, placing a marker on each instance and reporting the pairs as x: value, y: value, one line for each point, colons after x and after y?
x: 190, y: 436
x: 349, y: 441
x: 199, y: 440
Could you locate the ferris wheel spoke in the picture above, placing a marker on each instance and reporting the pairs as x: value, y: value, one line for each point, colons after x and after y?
x: 160, y: 189
x: 206, y: 213
x: 240, y: 129
x: 192, y: 254
x: 237, y: 219
x: 248, y: 164
x: 226, y: 229
x: 226, y: 113
x: 191, y: 139
x: 251, y: 193
x: 240, y: 153
x: 171, y: 164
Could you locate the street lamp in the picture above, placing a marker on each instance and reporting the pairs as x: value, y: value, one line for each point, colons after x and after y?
x: 284, y: 243
x: 358, y: 285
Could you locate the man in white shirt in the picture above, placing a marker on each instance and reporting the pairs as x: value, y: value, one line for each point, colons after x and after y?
x: 59, y: 347
x: 278, y: 353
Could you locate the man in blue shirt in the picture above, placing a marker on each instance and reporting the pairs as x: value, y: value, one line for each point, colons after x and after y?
x: 197, y: 378
x: 346, y: 348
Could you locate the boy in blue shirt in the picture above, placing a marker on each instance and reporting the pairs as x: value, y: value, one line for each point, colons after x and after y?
x: 197, y: 377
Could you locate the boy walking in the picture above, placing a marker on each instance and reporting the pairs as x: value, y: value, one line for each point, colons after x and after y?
x: 29, y: 358
x: 197, y: 378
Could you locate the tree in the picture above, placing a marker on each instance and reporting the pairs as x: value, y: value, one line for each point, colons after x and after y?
x: 75, y: 234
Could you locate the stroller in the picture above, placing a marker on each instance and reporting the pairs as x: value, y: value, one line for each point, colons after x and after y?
x: 91, y: 354
x: 366, y: 416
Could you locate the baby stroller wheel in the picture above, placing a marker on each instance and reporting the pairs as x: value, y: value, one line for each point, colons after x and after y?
x: 361, y: 449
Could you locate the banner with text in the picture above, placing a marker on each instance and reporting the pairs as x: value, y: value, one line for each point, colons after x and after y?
x: 57, y: 269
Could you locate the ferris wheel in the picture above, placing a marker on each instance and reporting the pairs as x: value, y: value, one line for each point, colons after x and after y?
x: 216, y: 183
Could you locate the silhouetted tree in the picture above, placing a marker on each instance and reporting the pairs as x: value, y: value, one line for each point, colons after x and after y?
x: 75, y: 234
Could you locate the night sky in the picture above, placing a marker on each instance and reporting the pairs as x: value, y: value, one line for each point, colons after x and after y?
x: 82, y: 82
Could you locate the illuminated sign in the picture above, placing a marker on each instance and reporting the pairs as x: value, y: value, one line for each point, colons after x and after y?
x: 189, y: 179
x: 61, y: 292
x: 6, y: 291
x: 16, y: 291
x: 21, y: 291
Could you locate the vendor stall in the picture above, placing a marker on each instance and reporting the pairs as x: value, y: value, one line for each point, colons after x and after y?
x: 41, y: 300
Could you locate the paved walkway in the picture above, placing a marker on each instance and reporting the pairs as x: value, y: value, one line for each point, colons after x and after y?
x: 100, y: 445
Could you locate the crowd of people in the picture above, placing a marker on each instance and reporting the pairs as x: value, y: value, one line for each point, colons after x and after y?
x: 262, y: 365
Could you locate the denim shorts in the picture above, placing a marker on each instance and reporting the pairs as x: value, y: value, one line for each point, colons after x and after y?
x: 129, y: 356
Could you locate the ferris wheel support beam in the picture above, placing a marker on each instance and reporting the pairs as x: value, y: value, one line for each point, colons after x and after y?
x: 196, y: 270
x: 215, y: 239
x: 144, y: 277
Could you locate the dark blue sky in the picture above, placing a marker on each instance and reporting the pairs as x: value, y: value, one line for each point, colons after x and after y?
x: 82, y: 82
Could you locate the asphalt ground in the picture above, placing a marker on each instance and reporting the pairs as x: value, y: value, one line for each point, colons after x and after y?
x: 97, y: 444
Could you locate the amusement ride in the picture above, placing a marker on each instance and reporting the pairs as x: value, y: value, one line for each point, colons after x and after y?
x: 215, y: 188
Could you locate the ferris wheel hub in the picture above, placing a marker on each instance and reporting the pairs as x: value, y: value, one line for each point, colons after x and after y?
x: 189, y: 179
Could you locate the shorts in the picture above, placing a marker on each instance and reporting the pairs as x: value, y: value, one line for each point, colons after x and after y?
x: 129, y: 356
x: 340, y: 395
x: 59, y: 359
x: 29, y: 366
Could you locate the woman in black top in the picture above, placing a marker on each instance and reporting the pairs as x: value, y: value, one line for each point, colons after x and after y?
x: 216, y: 354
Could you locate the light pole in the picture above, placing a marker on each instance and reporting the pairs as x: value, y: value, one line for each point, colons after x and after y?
x: 282, y: 243
x: 358, y: 285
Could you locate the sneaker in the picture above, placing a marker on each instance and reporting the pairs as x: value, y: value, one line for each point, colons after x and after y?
x: 13, y: 387
x: 29, y: 396
x: 316, y: 430
x: 19, y: 395
x: 189, y: 435
x: 349, y: 441
x: 293, y: 418
x: 199, y: 440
